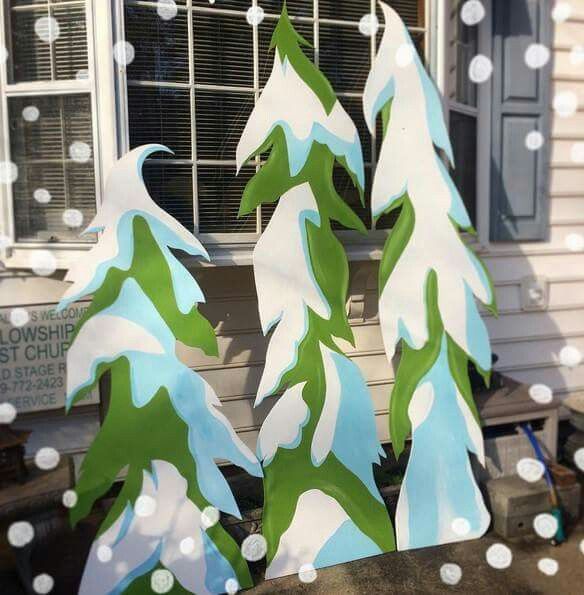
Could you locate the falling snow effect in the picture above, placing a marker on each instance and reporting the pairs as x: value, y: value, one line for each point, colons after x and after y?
x: 450, y: 574
x: 47, y: 29
x: 575, y: 242
x: 548, y: 566
x: 70, y: 499
x: 570, y: 356
x: 19, y: 317
x: 537, y: 56
x: 161, y: 581
x: 534, y: 140
x: 104, y: 554
x: 42, y: 196
x: 472, y: 12
x: 20, y: 534
x: 499, y: 556
x: 255, y: 15
x: 80, y: 152
x: 43, y: 584
x: 8, y: 172
x: 254, y: 547
x: 231, y: 586
x: 561, y: 12
x: 530, y: 470
x: 124, y: 53
x: 73, y: 218
x: 47, y: 458
x: 167, y: 9
x: 541, y: 393
x: 210, y: 516
x: 579, y: 459
x: 7, y: 413
x: 545, y: 525
x: 369, y: 25
x: 461, y: 526
x: 307, y: 573
x: 144, y: 506
x: 565, y: 104
x: 43, y: 263
x: 480, y: 69
x: 577, y: 55
x: 31, y: 113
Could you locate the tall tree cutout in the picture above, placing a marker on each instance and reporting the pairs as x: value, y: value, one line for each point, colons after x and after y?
x: 428, y: 282
x: 318, y: 443
x: 163, y: 426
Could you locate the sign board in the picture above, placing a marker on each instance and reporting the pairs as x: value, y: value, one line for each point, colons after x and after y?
x: 32, y: 358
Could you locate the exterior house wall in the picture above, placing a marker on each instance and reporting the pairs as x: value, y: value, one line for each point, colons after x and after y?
x: 527, y: 342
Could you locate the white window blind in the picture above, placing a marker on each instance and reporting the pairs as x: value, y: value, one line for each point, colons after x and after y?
x: 194, y: 81
x: 48, y: 78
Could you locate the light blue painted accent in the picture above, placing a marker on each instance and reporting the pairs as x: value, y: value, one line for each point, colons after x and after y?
x: 355, y: 441
x: 477, y: 337
x: 299, y: 149
x: 378, y: 211
x: 439, y: 477
x: 404, y: 333
x: 386, y: 95
x: 346, y: 544
x: 218, y: 569
x: 457, y: 210
x: 186, y: 289
x: 139, y: 571
x: 288, y: 445
x: 126, y: 522
x: 434, y: 107
x: 482, y: 275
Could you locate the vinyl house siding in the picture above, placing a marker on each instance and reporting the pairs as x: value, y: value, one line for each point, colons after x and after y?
x: 527, y: 342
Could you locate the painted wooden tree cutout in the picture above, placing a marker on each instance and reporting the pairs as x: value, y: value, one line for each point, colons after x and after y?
x: 318, y: 443
x: 163, y: 425
x: 428, y: 283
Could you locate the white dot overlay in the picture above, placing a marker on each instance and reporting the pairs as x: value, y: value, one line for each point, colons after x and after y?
x: 577, y: 55
x: 472, y: 12
x: 20, y: 534
x: 19, y: 317
x: 541, y: 393
x: 42, y: 196
x: 47, y: 458
x: 145, y: 506
x: 8, y: 172
x: 104, y: 554
x: 43, y: 263
x: 460, y: 526
x: 579, y: 459
x: 499, y: 556
x: 47, y: 29
x: 450, y: 574
x: 231, y: 586
x: 369, y: 25
x: 210, y: 516
x: 570, y: 356
x: 255, y: 15
x: 545, y: 525
x: 565, y: 104
x: 187, y: 546
x: 31, y: 113
x: 575, y: 242
x: 537, y: 55
x: 307, y: 573
x: 530, y: 470
x: 69, y: 499
x: 254, y: 547
x: 534, y: 140
x: 548, y: 566
x: 167, y: 9
x: 561, y: 12
x: 7, y: 413
x: 404, y: 55
x: 43, y: 584
x: 80, y: 152
x: 161, y: 581
x: 577, y: 152
x: 480, y: 69
x: 72, y: 218
x: 124, y: 53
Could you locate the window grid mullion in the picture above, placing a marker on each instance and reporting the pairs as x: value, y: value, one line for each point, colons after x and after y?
x: 256, y: 94
x: 193, y: 98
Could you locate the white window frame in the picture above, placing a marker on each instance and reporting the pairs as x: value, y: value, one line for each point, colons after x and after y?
x: 17, y: 254
x: 107, y: 88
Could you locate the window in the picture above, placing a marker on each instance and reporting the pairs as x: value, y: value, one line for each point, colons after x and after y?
x: 47, y: 115
x: 463, y: 96
x: 193, y: 84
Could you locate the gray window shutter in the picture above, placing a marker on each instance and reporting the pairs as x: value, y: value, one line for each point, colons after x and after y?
x: 520, y: 104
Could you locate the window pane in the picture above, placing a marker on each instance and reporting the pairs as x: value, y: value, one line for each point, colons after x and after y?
x: 463, y: 132
x: 161, y: 47
x: 348, y: 10
x: 35, y: 59
x: 221, y: 118
x: 223, y: 50
x: 219, y: 192
x: 171, y: 187
x: 161, y: 115
x: 40, y: 149
x: 296, y: 8
x: 466, y: 47
x: 347, y: 191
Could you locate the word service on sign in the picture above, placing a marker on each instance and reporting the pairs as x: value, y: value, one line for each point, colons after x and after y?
x: 33, y: 357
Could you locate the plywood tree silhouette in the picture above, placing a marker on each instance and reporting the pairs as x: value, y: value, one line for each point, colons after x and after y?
x: 318, y: 444
x: 428, y: 282
x: 163, y: 426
